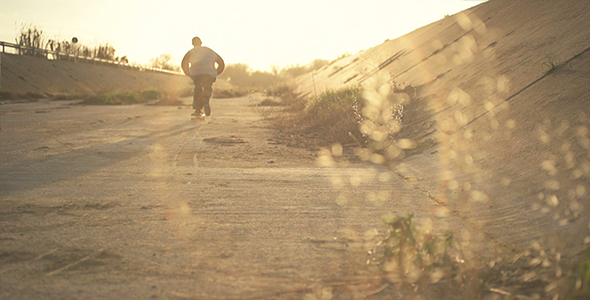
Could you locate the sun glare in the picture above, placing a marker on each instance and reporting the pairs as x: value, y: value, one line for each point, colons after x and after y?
x: 258, y: 33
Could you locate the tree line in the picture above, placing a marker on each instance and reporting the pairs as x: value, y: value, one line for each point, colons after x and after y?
x: 242, y: 75
x: 238, y: 74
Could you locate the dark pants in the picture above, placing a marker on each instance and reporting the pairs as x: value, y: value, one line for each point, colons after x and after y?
x: 203, y: 90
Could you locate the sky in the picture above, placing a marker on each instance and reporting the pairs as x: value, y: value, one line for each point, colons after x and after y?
x: 260, y: 33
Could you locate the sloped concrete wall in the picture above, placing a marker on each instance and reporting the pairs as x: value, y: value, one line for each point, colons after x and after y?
x: 512, y: 152
x: 24, y: 74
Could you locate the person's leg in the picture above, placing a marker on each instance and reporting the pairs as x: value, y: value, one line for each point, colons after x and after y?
x: 207, y: 92
x: 197, y: 94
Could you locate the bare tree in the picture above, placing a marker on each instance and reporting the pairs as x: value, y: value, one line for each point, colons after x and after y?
x: 164, y: 61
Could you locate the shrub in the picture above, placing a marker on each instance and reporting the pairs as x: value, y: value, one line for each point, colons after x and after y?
x: 390, y: 121
x: 34, y: 95
x: 279, y: 91
x: 151, y: 94
x: 227, y: 93
x: 334, y: 99
x: 408, y: 255
x: 269, y: 102
x: 8, y: 96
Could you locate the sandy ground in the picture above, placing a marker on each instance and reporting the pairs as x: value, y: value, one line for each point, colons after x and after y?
x: 140, y: 202
x: 137, y: 202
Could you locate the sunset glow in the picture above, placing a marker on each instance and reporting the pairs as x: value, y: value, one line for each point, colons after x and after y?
x: 259, y: 32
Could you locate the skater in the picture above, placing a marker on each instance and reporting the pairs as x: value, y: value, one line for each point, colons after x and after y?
x: 199, y: 64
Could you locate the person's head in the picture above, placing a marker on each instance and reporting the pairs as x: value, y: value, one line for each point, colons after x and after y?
x: 197, y: 41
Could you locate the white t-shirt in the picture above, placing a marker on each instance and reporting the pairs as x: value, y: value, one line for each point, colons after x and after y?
x: 202, y: 61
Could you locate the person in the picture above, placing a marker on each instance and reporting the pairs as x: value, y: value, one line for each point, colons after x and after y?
x: 199, y: 64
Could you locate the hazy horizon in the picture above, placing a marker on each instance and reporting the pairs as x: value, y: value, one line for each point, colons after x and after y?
x: 258, y: 33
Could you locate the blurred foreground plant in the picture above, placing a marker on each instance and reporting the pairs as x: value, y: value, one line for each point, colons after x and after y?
x: 408, y: 254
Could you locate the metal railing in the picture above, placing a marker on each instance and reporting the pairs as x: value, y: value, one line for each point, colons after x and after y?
x: 56, y: 55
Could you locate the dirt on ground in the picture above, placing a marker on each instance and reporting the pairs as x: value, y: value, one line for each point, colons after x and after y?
x: 140, y: 202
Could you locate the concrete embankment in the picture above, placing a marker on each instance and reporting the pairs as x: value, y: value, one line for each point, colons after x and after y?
x: 506, y: 84
x: 27, y: 74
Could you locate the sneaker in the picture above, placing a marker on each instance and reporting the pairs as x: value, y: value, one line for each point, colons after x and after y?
x: 207, y: 110
x: 197, y: 113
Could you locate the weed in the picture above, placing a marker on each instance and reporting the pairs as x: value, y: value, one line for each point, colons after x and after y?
x: 22, y: 96
x: 130, y: 97
x: 333, y: 116
x: 8, y: 96
x: 269, y: 102
x: 332, y: 99
x: 67, y: 97
x: 327, y: 119
x: 279, y: 91
x: 151, y: 94
x: 34, y: 95
x: 353, y: 116
x: 228, y: 93
x: 170, y: 101
x: 408, y: 255
x: 582, y: 284
x: 30, y: 37
x: 291, y: 101
x: 165, y: 99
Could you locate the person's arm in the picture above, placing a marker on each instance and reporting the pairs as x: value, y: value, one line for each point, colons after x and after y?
x: 220, y: 64
x: 184, y: 65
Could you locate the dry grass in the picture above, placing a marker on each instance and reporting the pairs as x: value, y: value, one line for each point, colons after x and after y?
x: 340, y: 116
x: 152, y: 96
x: 24, y: 96
x: 320, y: 122
x: 228, y: 93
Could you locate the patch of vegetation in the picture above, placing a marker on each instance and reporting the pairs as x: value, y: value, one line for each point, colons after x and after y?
x: 408, y: 255
x: 170, y: 102
x: 8, y: 96
x: 67, y: 97
x: 228, y: 93
x: 416, y: 263
x: 383, y: 126
x: 582, y: 278
x: 130, y: 97
x: 421, y: 265
x: 22, y: 96
x: 151, y: 94
x: 330, y: 118
x: 279, y: 91
x: 167, y: 99
x: 332, y: 99
x: 112, y: 99
x: 269, y: 102
x: 35, y: 95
